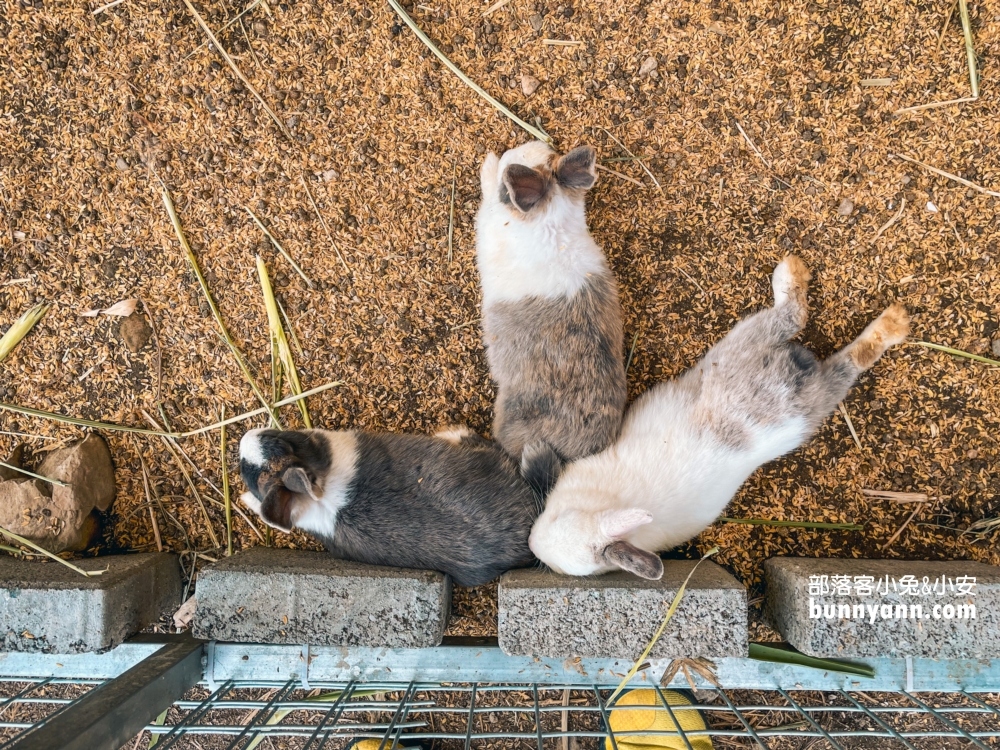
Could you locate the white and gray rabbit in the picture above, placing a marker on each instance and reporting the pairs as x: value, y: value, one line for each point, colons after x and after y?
x: 687, y: 445
x: 552, y: 322
x: 453, y: 502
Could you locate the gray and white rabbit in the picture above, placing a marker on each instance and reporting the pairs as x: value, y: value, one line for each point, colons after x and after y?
x: 687, y: 445
x: 453, y: 502
x: 552, y: 322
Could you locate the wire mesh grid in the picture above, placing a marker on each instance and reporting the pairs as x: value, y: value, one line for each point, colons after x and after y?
x: 241, y: 716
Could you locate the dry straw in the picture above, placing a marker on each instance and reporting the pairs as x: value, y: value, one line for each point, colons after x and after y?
x: 957, y: 353
x: 279, y: 341
x: 795, y: 524
x: 645, y: 169
x: 663, y: 626
x: 51, y: 556
x: 225, y: 27
x: 112, y: 427
x: 329, y: 234
x: 190, y: 482
x: 850, y: 425
x: 236, y: 70
x: 20, y: 329
x: 33, y: 474
x: 451, y: 211
x: 970, y: 50
x: 176, y: 222
x: 274, y: 241
x: 949, y: 175
x: 226, y: 499
x: 401, y: 12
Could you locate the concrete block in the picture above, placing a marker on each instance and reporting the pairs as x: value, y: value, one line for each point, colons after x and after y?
x: 615, y: 615
x: 265, y: 595
x: 45, y: 606
x: 855, y: 608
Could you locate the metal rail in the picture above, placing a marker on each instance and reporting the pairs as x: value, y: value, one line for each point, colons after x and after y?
x: 114, y: 712
x: 276, y: 694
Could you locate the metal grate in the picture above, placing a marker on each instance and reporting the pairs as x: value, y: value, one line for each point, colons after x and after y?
x: 235, y: 715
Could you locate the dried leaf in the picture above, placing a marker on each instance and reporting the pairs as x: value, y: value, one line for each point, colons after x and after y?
x: 121, y: 309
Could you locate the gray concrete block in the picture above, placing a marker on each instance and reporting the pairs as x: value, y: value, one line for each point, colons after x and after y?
x: 843, y: 621
x: 45, y: 606
x: 266, y: 595
x: 615, y: 615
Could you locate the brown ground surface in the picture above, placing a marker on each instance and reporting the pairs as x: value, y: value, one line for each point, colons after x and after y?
x: 93, y: 106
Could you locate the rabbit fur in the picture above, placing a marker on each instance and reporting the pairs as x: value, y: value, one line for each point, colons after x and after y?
x: 453, y: 502
x: 552, y: 321
x: 687, y: 445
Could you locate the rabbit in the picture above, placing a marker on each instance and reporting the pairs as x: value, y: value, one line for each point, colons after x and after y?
x: 452, y: 502
x: 687, y: 445
x: 552, y: 322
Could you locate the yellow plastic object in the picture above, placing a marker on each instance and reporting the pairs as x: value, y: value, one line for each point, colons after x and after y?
x: 623, y: 721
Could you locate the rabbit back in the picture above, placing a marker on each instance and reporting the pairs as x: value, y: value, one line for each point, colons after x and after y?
x: 421, y: 502
x: 559, y: 369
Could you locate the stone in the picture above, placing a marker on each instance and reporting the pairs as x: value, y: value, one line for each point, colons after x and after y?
x: 267, y: 595
x: 614, y: 615
x: 846, y: 207
x: 936, y: 625
x: 16, y: 458
x: 121, y: 164
x: 536, y: 22
x: 86, y: 466
x: 49, y: 608
x: 529, y: 84
x: 996, y: 347
x: 61, y: 518
x: 57, y: 517
x: 135, y: 332
x: 648, y: 66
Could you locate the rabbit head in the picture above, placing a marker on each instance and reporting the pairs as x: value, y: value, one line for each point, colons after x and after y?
x: 294, y: 476
x: 579, y: 542
x: 530, y: 178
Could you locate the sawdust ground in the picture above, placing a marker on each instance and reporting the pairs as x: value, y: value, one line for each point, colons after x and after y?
x: 94, y: 107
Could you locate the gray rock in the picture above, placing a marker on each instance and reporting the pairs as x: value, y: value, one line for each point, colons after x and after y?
x: 801, y: 614
x: 536, y: 22
x: 46, y: 607
x: 266, y: 595
x: 846, y: 207
x: 615, y: 615
x: 996, y: 347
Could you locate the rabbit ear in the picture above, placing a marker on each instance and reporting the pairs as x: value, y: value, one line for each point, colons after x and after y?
x: 277, y: 505
x: 297, y: 480
x: 615, y: 524
x: 629, y: 557
x: 577, y: 169
x: 525, y: 186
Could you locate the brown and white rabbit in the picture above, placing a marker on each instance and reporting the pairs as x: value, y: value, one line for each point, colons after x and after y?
x: 552, y: 322
x: 454, y: 502
x: 687, y: 445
